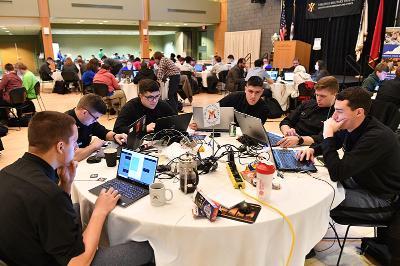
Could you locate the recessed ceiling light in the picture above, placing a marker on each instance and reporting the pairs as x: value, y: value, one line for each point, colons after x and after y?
x: 159, y: 25
x: 78, y: 22
x: 185, y: 24
x: 4, y: 28
x: 167, y: 23
x: 177, y: 25
x: 105, y: 21
x: 7, y: 31
x: 101, y: 23
x: 81, y: 20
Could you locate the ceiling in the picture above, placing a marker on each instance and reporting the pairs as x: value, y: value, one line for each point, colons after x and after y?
x: 19, y: 29
x: 106, y: 32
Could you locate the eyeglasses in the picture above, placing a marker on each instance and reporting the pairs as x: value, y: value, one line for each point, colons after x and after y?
x: 94, y: 118
x: 152, y: 98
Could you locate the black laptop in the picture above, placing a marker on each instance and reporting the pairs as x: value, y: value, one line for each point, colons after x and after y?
x: 285, y: 160
x: 136, y: 172
x: 177, y: 122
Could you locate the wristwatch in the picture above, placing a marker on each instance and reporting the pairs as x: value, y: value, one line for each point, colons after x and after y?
x: 301, y: 140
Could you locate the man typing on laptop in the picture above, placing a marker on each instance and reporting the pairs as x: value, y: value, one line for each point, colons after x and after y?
x: 89, y: 109
x: 147, y: 103
x: 303, y: 126
x: 369, y: 169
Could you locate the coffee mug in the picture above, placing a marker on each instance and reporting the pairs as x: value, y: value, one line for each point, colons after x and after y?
x: 111, y: 156
x: 157, y: 194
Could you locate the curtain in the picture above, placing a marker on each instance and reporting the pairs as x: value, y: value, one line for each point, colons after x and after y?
x: 241, y: 43
x: 339, y: 34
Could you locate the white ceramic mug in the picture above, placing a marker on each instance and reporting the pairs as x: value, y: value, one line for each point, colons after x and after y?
x: 157, y: 194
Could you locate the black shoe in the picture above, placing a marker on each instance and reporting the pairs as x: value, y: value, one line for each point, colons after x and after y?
x: 311, y: 254
x: 112, y: 111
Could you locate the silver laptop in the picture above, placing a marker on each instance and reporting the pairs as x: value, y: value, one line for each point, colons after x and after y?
x: 227, y: 116
x: 288, y: 76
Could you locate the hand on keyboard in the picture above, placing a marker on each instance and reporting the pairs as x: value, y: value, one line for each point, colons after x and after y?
x: 106, y: 201
x: 306, y: 154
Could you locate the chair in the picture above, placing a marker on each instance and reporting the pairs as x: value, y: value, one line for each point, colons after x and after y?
x: 222, y: 80
x: 306, y: 93
x: 352, y: 222
x: 101, y: 89
x: 71, y: 77
x: 386, y: 112
x: 17, y: 101
x: 38, y: 97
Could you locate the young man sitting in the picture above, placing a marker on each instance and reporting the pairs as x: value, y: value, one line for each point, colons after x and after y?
x: 369, y: 169
x: 147, y: 103
x: 38, y: 224
x: 89, y: 109
x: 304, y: 125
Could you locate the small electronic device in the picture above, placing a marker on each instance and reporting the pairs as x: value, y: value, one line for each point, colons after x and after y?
x: 94, y: 175
x: 273, y: 74
x: 234, y: 175
x: 93, y: 159
x: 198, y: 137
x: 244, y: 207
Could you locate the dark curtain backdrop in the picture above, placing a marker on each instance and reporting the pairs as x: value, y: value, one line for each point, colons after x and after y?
x: 339, y: 34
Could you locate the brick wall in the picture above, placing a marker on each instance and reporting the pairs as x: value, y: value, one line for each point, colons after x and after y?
x: 244, y: 15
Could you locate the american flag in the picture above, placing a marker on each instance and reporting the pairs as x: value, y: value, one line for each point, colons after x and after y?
x: 282, y: 27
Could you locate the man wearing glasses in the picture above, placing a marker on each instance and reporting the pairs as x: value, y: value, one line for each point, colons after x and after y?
x: 147, y: 103
x: 89, y: 109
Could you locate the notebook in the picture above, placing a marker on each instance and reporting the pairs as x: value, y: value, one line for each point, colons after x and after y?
x: 136, y: 172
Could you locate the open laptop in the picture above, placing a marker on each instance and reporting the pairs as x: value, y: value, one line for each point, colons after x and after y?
x: 198, y: 68
x: 227, y: 116
x: 288, y: 76
x: 273, y: 74
x: 135, y: 173
x: 285, y: 159
x: 136, y: 131
x: 177, y: 122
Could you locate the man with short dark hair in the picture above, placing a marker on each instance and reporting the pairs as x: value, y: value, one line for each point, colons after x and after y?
x: 167, y: 69
x: 89, y: 109
x: 235, y: 78
x: 147, y: 103
x: 375, y: 79
x: 218, y: 66
x: 295, y: 63
x: 303, y: 126
x: 47, y: 69
x: 38, y: 224
x: 369, y: 169
x: 259, y: 71
x: 390, y: 90
x: 248, y: 101
x: 9, y: 81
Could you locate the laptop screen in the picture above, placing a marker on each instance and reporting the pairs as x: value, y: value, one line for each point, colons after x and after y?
x: 138, y: 127
x: 273, y: 74
x: 127, y: 73
x: 288, y: 76
x: 198, y: 68
x: 137, y: 167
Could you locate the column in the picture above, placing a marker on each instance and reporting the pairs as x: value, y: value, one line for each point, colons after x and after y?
x: 222, y: 27
x: 144, y: 31
x: 45, y: 28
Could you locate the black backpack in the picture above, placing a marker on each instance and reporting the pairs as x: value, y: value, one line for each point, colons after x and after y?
x: 275, y: 110
x: 60, y: 88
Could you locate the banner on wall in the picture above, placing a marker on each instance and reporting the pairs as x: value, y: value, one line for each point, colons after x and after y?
x: 391, y: 50
x: 332, y: 8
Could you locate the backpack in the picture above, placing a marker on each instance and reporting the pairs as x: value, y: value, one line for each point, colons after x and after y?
x: 60, y: 88
x: 379, y: 251
x: 275, y: 110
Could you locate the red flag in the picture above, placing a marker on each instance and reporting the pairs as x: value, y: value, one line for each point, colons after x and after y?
x: 376, y: 40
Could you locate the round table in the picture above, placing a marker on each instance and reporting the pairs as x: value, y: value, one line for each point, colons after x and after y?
x: 179, y: 239
x: 130, y: 90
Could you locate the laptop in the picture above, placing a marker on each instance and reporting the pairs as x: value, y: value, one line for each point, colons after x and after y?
x: 273, y: 74
x: 127, y: 73
x: 285, y: 160
x: 227, y: 116
x: 198, y: 68
x: 177, y: 122
x: 288, y: 76
x: 136, y: 172
x: 136, y: 131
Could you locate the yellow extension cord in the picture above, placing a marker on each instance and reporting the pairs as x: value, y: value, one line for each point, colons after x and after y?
x: 284, y: 217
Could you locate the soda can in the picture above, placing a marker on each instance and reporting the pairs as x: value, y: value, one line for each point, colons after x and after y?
x: 232, y: 129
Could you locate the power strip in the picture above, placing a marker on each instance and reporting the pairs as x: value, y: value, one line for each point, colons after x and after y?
x: 234, y: 175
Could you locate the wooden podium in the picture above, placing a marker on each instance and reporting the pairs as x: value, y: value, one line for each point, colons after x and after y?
x: 286, y: 51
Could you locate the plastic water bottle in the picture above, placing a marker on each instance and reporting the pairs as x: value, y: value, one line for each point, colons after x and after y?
x: 265, y: 174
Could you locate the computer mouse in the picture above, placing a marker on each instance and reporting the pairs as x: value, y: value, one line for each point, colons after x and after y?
x: 244, y: 208
x: 93, y: 159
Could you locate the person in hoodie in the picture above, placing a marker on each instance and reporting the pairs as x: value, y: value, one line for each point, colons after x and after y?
x: 116, y: 95
x: 144, y: 73
x: 300, y: 76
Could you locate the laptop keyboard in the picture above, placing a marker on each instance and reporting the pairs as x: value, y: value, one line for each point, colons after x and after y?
x: 273, y: 139
x: 125, y: 189
x: 286, y: 160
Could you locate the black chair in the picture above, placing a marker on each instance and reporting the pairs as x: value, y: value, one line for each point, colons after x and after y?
x: 71, y: 77
x: 386, y: 112
x: 17, y: 102
x: 38, y: 97
x: 101, y: 89
x: 352, y: 222
x: 222, y: 80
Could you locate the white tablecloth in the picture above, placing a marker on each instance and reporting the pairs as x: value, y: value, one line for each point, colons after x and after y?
x: 130, y: 90
x: 281, y: 93
x: 203, y: 75
x: 179, y: 239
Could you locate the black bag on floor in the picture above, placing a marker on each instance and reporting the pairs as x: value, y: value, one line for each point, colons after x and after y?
x: 23, y: 121
x: 60, y: 88
x: 376, y: 250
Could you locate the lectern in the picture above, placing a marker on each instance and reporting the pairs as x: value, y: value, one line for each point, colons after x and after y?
x: 286, y: 51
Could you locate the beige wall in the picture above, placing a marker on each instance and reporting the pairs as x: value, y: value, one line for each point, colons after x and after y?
x: 159, y: 11
x: 131, y: 9
x: 19, y: 8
